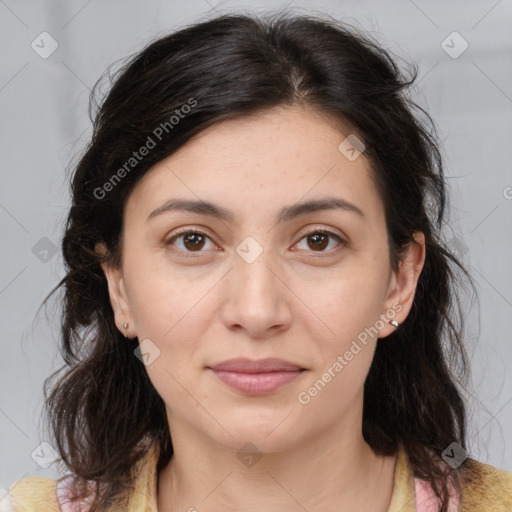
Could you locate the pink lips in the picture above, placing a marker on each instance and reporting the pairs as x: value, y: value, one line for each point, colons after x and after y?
x: 256, y: 377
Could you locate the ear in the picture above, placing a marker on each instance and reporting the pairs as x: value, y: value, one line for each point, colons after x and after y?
x: 402, y: 285
x: 117, y: 293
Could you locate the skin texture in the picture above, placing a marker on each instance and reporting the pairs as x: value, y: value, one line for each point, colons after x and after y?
x: 299, y: 301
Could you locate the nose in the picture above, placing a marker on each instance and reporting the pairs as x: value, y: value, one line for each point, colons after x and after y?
x: 257, y: 297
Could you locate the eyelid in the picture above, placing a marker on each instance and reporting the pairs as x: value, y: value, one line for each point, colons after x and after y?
x: 186, y: 230
x: 322, y: 229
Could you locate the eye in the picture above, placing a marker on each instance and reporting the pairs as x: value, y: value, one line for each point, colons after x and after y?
x: 318, y: 239
x: 192, y: 240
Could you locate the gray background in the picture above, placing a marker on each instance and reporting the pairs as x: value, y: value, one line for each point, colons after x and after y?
x: 44, y: 123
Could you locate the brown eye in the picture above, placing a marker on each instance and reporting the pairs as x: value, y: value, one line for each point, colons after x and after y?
x: 318, y: 240
x: 191, y: 241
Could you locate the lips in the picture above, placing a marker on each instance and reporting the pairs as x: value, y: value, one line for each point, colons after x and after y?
x: 256, y: 366
x: 256, y: 377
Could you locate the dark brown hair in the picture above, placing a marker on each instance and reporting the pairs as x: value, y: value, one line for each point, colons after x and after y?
x: 104, y: 405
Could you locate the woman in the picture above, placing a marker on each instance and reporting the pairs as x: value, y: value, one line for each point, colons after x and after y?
x: 258, y: 306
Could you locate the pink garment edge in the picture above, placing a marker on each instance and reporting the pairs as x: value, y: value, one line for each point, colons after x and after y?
x: 65, y: 493
x: 427, y: 501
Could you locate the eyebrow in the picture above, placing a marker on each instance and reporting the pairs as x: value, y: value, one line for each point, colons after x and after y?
x: 287, y: 213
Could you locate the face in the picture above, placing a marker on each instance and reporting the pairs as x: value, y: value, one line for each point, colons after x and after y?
x: 272, y: 277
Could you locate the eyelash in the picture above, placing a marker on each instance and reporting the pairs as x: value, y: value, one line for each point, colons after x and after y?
x: 189, y: 231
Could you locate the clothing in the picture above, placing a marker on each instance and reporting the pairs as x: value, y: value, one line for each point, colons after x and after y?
x: 490, y: 490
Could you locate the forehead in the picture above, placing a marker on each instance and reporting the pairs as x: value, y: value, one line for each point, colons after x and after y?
x: 259, y: 163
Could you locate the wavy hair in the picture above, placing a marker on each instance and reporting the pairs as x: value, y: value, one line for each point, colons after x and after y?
x: 104, y: 405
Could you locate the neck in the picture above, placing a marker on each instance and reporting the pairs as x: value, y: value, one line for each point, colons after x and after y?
x: 333, y: 471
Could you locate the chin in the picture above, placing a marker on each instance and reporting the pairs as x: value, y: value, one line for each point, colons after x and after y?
x: 250, y: 441
x: 270, y: 434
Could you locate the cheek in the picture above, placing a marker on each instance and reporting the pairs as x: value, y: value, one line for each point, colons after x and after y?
x: 164, y: 297
x: 170, y: 319
x: 174, y: 324
x: 347, y: 303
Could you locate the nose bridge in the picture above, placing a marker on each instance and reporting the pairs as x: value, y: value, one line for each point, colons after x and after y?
x: 251, y: 266
x: 257, y: 295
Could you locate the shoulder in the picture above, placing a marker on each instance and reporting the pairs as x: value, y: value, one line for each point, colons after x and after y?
x: 33, y: 493
x: 486, y: 488
x: 483, y: 488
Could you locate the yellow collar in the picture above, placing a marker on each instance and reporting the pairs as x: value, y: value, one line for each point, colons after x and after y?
x: 403, y: 497
x: 144, y: 494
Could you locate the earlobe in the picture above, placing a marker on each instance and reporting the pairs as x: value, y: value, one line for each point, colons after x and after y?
x: 403, y: 284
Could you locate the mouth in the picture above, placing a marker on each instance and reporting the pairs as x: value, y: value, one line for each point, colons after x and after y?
x: 256, y: 377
